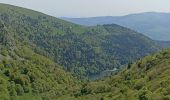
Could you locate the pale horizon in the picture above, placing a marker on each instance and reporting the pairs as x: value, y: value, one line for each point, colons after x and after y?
x: 79, y: 8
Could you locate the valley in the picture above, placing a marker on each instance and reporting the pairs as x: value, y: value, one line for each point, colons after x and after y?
x: 83, y: 51
x: 46, y: 58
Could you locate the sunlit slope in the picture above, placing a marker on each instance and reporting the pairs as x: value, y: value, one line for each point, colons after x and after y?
x: 24, y: 73
x: 146, y: 79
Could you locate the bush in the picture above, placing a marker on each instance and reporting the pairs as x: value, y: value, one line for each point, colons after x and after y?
x: 4, y: 52
x: 7, y: 73
x: 19, y: 89
x: 144, y: 94
x: 26, y: 89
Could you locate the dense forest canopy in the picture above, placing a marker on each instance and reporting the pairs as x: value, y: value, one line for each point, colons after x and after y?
x: 84, y: 51
x: 44, y: 58
x: 146, y: 79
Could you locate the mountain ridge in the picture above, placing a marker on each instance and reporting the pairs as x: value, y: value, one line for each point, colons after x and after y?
x: 152, y: 24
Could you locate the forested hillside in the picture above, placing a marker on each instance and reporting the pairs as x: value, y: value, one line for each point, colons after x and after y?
x: 84, y: 51
x: 44, y: 58
x: 146, y: 79
x: 26, y: 75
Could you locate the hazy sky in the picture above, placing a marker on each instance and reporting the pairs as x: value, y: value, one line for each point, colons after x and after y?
x: 86, y: 8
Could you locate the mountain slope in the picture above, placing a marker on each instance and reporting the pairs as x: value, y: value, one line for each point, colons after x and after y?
x: 84, y: 51
x: 146, y: 79
x: 27, y: 75
x: 152, y: 24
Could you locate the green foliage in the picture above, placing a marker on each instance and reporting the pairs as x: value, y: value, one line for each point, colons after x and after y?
x: 146, y: 79
x: 32, y: 45
x: 23, y: 72
x: 84, y: 51
x: 19, y: 89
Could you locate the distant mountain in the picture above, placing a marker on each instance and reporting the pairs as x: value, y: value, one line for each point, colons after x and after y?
x: 164, y: 44
x: 152, y: 24
x: 83, y: 51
